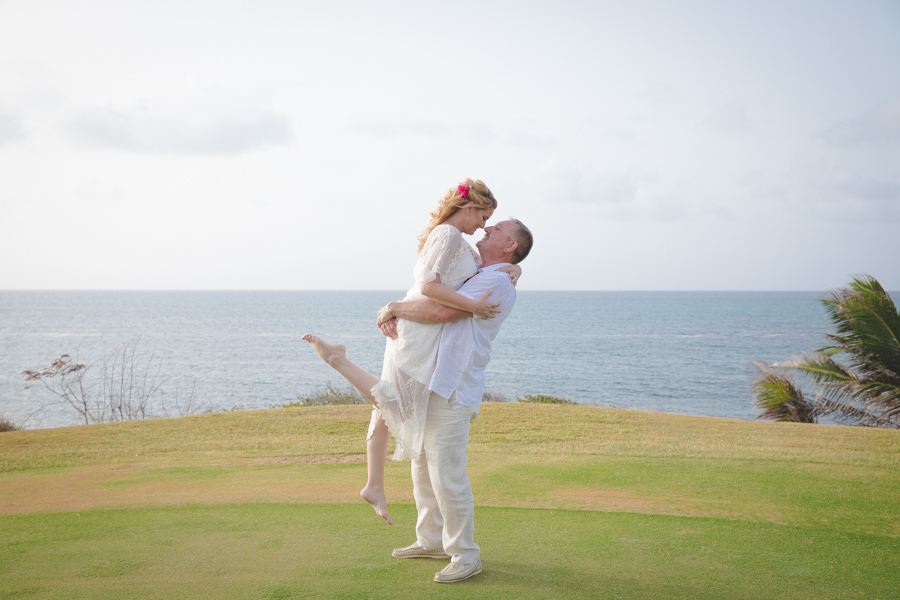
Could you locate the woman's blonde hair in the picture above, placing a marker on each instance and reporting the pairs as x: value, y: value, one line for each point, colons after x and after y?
x: 478, y: 194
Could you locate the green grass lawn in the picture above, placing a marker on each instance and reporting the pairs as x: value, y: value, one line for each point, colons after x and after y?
x: 570, y: 502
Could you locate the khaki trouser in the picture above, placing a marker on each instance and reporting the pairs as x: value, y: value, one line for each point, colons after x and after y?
x: 441, y: 487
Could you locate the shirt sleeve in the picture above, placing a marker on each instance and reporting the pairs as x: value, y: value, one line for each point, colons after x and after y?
x: 442, y: 249
x: 491, y: 280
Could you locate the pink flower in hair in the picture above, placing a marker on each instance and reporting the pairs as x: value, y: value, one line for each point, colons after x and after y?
x: 464, y: 190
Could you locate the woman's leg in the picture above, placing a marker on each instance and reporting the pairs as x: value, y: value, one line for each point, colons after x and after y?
x: 336, y: 357
x: 376, y: 456
x: 376, y: 445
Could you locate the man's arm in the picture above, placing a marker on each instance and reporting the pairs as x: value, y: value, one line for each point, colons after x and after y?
x: 421, y: 311
x: 428, y: 310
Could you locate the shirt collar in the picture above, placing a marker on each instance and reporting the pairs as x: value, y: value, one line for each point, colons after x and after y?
x: 493, y: 267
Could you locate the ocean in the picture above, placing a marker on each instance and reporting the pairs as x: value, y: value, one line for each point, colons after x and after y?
x: 676, y: 352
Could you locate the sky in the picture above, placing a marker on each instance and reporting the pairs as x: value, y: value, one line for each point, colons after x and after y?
x: 290, y: 145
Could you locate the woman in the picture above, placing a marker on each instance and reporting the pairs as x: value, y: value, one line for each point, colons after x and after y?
x: 400, y: 397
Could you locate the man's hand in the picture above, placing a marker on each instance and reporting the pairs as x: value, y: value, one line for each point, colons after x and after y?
x: 389, y: 328
x: 384, y: 316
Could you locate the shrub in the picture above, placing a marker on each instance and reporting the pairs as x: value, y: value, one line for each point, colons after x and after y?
x: 494, y: 396
x: 543, y: 399
x: 7, y: 424
x: 330, y: 396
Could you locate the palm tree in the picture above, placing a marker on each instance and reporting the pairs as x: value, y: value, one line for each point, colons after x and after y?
x: 865, y: 390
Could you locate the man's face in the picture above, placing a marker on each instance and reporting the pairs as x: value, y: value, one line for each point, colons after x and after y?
x: 496, y: 240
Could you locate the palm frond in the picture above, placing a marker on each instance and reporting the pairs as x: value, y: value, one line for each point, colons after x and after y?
x: 847, y: 412
x: 818, y: 367
x: 779, y: 398
x: 865, y: 387
x: 878, y: 399
x: 867, y: 327
x: 830, y: 351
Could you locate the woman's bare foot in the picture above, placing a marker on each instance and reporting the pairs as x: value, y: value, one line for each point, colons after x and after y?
x: 330, y: 353
x: 376, y: 498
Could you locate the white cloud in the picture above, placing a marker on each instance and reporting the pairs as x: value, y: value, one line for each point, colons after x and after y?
x: 579, y: 185
x: 731, y: 119
x: 11, y: 129
x: 143, y: 132
x: 429, y: 129
x: 261, y: 137
x: 860, y: 199
x: 661, y: 95
x: 879, y: 126
x: 627, y: 195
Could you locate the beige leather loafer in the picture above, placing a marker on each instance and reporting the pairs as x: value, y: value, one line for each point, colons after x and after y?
x: 417, y: 551
x: 458, y: 572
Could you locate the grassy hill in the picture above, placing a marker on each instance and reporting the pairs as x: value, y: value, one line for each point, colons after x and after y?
x: 571, y: 501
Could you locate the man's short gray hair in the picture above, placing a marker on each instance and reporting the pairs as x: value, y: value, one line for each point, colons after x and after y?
x: 524, y: 241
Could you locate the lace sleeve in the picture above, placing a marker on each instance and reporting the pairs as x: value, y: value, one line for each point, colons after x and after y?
x: 443, y: 248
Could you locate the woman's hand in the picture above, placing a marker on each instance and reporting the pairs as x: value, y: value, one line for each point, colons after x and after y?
x: 389, y: 329
x: 514, y: 272
x: 484, y: 308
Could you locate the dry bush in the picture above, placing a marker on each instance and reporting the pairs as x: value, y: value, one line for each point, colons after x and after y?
x: 495, y: 396
x: 123, y: 385
x: 330, y: 396
x: 7, y: 424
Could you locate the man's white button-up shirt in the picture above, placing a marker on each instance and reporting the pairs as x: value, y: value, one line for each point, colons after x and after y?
x: 465, y: 348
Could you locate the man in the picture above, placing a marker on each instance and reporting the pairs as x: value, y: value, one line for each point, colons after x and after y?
x: 444, y: 501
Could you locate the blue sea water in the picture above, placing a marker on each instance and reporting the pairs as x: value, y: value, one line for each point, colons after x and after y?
x: 677, y: 352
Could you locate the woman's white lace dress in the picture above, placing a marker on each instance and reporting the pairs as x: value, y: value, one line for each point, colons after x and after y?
x: 402, y: 394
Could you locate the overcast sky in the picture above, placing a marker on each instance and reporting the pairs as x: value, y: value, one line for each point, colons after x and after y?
x: 301, y: 145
